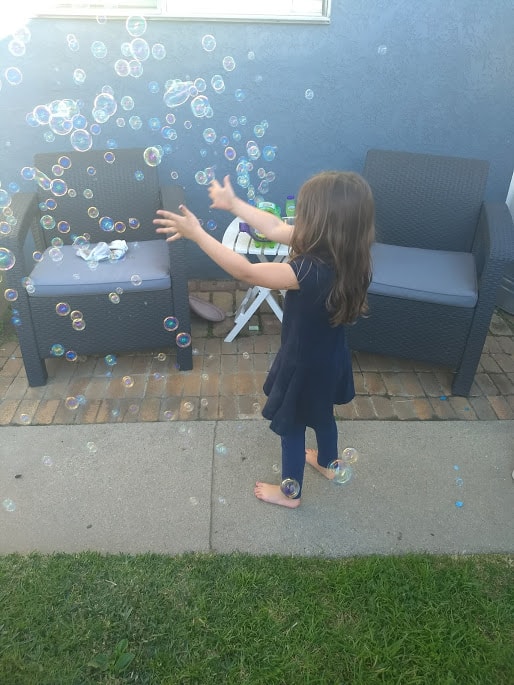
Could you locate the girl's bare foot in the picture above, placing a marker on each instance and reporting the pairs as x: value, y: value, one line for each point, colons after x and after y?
x: 311, y: 457
x: 274, y: 495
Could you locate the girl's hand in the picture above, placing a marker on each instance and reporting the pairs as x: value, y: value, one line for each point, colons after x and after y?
x: 176, y: 226
x: 222, y: 196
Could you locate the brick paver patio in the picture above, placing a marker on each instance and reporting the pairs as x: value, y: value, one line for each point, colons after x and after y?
x: 227, y: 378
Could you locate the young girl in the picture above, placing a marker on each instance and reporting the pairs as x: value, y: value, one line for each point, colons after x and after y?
x: 327, y: 279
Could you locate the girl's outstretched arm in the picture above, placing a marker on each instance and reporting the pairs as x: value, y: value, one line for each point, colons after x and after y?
x: 223, y: 197
x: 186, y: 225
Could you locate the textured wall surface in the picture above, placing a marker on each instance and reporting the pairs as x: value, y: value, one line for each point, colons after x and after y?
x: 433, y: 77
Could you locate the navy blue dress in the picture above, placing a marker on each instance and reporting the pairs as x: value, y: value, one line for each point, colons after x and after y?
x: 313, y: 368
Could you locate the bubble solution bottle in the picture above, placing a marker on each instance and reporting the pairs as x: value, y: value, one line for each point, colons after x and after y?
x: 290, y: 206
x: 259, y: 238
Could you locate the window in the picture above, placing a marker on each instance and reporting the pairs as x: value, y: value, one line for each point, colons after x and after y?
x: 312, y: 11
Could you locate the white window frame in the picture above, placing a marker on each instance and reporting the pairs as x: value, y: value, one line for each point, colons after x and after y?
x: 287, y: 11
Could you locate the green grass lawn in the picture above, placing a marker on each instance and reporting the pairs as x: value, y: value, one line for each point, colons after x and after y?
x: 235, y: 619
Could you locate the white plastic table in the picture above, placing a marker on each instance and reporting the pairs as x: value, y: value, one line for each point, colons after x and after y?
x: 243, y: 244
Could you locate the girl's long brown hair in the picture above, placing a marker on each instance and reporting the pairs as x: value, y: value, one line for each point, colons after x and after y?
x: 335, y: 222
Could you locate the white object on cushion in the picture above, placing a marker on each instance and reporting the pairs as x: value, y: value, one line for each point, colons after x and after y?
x: 147, y: 260
x: 435, y: 276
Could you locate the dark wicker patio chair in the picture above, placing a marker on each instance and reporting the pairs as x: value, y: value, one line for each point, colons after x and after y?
x: 121, y: 305
x: 438, y: 261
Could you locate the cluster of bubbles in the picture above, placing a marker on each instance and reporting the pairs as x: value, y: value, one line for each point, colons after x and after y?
x: 341, y: 468
x: 81, y: 123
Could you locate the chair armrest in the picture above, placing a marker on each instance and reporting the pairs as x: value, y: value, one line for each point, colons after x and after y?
x: 25, y: 210
x: 493, y: 246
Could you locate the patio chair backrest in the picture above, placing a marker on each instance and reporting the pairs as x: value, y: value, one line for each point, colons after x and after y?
x: 108, y: 195
x: 426, y: 201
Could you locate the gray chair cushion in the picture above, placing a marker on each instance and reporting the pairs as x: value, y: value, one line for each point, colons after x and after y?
x: 427, y: 275
x: 148, y: 259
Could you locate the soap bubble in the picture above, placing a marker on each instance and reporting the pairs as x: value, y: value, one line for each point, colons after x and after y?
x: 92, y: 448
x: 76, y: 314
x: 7, y: 259
x: 199, y: 105
x: 98, y: 49
x: 24, y: 418
x: 342, y: 473
x: 62, y: 309
x: 135, y: 123
x: 127, y: 102
x: 59, y: 187
x: 309, y: 94
x: 209, y: 135
x: 114, y: 298
x: 178, y: 92
x: 9, y: 505
x: 78, y: 324
x: 47, y: 222
x: 63, y: 227
x: 136, y: 280
x: 290, y: 487
x: 459, y: 504
x: 230, y: 153
x: 46, y: 460
x: 71, y: 356
x: 11, y: 295
x: 268, y: 153
x: 128, y: 381
x: 350, y: 455
x: 110, y: 157
x: 135, y: 68
x: 57, y: 350
x: 240, y: 95
x: 55, y: 254
x: 139, y: 49
x: 106, y: 223
x: 158, y: 51
x: 382, y: 50
x: 81, y: 140
x: 135, y: 26
x: 170, y: 323
x: 121, y: 67
x: 93, y: 212
x: 152, y: 156
x: 217, y: 83
x: 229, y: 63
x: 208, y: 43
x: 28, y: 284
x: 71, y: 403
x: 183, y: 340
x: 13, y: 76
x: 221, y: 449
x: 17, y: 48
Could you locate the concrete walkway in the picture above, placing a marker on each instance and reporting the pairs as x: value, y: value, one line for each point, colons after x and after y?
x: 187, y: 486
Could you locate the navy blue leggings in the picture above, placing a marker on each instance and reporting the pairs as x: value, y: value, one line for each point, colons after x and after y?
x: 293, y: 450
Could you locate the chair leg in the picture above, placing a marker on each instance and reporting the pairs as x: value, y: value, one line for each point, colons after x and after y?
x: 36, y: 371
x: 35, y: 367
x: 462, y: 382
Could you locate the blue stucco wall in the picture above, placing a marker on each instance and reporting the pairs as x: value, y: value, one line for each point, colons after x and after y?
x: 433, y: 77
